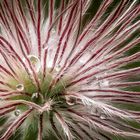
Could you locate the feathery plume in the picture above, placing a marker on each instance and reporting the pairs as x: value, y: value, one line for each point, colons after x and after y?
x: 67, y: 75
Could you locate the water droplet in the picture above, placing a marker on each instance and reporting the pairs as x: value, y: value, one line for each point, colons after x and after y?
x: 71, y: 100
x: 17, y: 112
x: 24, y: 60
x: 103, y: 116
x: 35, y: 96
x: 35, y: 62
x: 30, y: 107
x: 85, y: 57
x: 91, y: 51
x: 58, y: 67
x: 104, y: 83
x: 93, y: 110
x: 49, y: 64
x: 53, y: 31
x: 91, y: 80
x: 20, y: 87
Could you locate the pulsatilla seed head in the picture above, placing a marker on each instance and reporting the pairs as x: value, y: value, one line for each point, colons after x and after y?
x: 69, y: 72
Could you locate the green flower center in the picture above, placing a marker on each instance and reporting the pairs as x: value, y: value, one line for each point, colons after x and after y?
x: 48, y: 89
